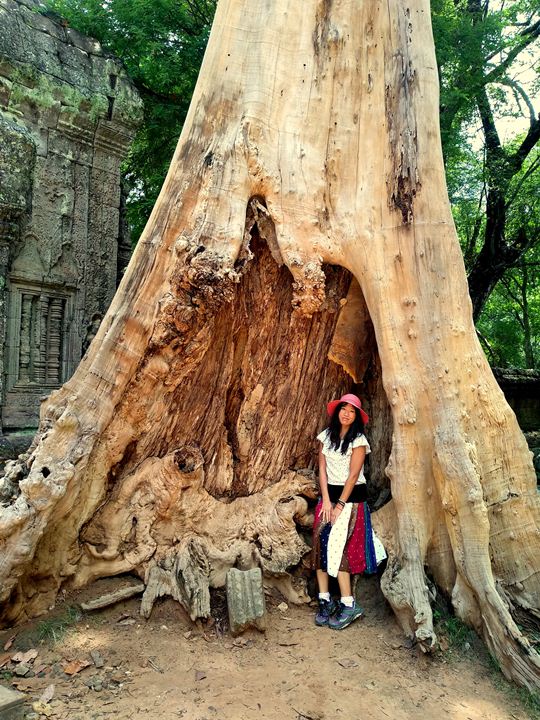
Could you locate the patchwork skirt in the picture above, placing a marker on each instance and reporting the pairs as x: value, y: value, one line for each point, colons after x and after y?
x: 348, y: 545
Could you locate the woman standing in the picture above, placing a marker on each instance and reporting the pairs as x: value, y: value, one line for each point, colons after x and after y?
x: 342, y: 534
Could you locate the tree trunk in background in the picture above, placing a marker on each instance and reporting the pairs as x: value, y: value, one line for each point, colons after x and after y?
x: 302, y: 240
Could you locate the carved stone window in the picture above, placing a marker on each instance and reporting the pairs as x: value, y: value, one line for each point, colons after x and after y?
x: 42, y: 336
x: 38, y: 344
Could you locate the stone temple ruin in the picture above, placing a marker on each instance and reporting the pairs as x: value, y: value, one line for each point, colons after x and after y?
x: 68, y: 113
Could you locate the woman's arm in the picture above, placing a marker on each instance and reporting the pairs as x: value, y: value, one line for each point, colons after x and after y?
x: 323, y: 482
x: 357, y: 462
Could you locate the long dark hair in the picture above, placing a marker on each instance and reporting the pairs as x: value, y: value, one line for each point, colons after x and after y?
x: 334, y: 429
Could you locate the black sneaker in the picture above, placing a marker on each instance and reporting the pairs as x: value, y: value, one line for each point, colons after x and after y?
x: 326, y: 609
x: 345, y: 616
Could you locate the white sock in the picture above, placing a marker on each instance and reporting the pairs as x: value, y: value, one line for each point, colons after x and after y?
x: 348, y: 600
x: 324, y: 596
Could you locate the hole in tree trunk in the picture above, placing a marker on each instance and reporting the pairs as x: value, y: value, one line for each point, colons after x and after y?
x: 256, y: 401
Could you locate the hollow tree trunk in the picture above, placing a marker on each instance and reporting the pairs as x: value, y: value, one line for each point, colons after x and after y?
x: 305, y: 208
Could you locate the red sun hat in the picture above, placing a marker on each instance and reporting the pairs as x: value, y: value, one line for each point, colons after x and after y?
x: 352, y: 400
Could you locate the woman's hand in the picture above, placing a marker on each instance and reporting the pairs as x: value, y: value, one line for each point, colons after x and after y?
x: 336, y: 512
x: 326, y: 511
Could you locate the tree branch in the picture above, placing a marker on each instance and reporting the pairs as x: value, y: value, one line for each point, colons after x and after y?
x: 528, y: 35
x: 511, y: 294
x: 488, y: 347
x: 530, y: 170
x: 519, y: 90
x: 493, y: 142
x: 532, y: 137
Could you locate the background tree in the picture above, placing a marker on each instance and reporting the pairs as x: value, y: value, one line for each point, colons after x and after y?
x: 509, y: 327
x: 486, y: 56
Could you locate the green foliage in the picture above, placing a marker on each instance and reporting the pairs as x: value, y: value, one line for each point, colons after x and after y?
x: 509, y: 324
x: 53, y: 629
x: 514, y: 305
x: 161, y: 43
x: 454, y: 630
x: 485, y: 54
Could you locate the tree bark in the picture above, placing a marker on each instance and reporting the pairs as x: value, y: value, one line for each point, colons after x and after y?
x: 305, y: 208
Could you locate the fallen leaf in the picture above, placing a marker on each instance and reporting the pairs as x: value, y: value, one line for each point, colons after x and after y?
x: 47, y: 695
x: 9, y: 642
x: 25, y: 657
x: 200, y: 675
x: 75, y: 666
x: 20, y: 685
x: 283, y: 607
x: 42, y: 709
x: 4, y: 659
x: 347, y: 663
x: 188, y: 634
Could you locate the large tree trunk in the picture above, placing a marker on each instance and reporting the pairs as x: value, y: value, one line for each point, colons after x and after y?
x: 302, y: 238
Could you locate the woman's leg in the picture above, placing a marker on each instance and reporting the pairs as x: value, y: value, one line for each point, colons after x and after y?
x: 322, y: 581
x: 344, y: 581
x: 349, y: 610
x: 327, y: 607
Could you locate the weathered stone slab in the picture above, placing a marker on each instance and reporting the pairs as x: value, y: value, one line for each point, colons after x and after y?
x: 11, y: 704
x: 245, y: 600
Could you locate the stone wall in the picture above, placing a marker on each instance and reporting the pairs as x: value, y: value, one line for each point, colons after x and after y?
x: 68, y: 113
x: 522, y: 391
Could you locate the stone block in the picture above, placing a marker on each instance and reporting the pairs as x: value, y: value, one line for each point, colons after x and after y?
x: 76, y: 64
x: 89, y: 45
x: 109, y: 192
x: 40, y: 22
x: 245, y: 600
x: 11, y: 704
x: 7, y: 67
x: 41, y: 138
x: 5, y: 91
x: 16, y: 164
x: 13, y: 444
x: 79, y: 151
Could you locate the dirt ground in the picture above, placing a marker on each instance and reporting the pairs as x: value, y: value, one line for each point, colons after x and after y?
x: 167, y: 668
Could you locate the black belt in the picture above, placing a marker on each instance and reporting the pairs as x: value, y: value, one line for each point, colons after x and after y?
x: 359, y: 493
